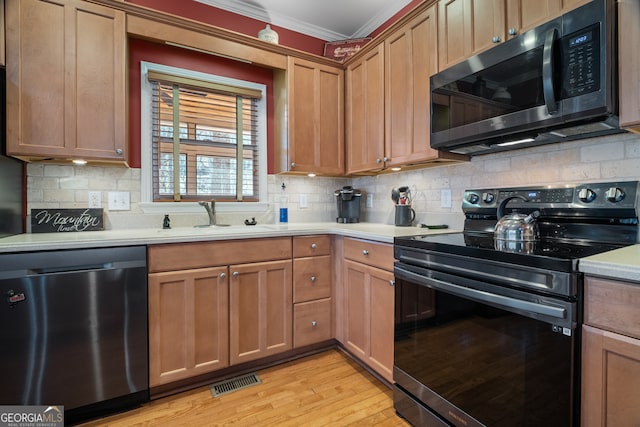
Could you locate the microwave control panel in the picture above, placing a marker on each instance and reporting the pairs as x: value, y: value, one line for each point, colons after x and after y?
x: 581, y: 57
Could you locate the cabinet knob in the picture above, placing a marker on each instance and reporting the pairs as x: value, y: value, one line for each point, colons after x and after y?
x: 512, y: 31
x: 313, y: 279
x: 223, y: 275
x: 378, y: 160
x: 392, y: 282
x: 496, y: 39
x: 119, y: 151
x: 236, y: 274
x: 314, y: 246
x: 386, y: 159
x: 365, y: 252
x: 314, y: 323
x: 293, y: 164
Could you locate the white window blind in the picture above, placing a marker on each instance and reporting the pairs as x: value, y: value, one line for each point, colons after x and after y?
x: 211, y: 131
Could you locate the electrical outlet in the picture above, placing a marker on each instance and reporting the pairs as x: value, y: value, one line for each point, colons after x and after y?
x: 369, y: 200
x: 119, y: 201
x: 303, y: 201
x: 95, y: 199
x: 445, y: 198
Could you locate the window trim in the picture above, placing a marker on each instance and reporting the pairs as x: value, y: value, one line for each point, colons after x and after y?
x: 146, y: 191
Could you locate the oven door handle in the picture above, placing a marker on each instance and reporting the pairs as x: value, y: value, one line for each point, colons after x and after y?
x: 482, y: 296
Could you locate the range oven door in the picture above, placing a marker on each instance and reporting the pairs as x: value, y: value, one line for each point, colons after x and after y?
x: 475, y: 354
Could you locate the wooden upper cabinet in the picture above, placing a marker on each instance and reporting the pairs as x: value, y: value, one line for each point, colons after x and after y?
x: 315, y: 114
x: 365, y: 112
x: 66, y: 80
x: 467, y: 27
x: 629, y: 64
x: 410, y: 58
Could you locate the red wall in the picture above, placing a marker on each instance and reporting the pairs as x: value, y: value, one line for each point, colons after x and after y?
x: 140, y: 50
x: 241, y: 24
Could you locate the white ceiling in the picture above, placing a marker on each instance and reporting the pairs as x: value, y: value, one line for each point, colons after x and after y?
x: 328, y: 20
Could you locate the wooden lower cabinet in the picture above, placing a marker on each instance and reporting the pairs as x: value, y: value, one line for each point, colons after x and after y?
x: 188, y: 323
x: 368, y: 315
x: 261, y: 304
x: 611, y: 354
x: 610, y: 379
x: 311, y: 322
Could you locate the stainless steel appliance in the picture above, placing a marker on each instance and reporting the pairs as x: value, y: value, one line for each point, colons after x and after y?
x: 487, y: 329
x: 348, y: 204
x: 74, y: 329
x: 11, y: 178
x: 554, y: 83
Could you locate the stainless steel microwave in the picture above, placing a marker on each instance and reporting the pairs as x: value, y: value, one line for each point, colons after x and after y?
x: 554, y: 83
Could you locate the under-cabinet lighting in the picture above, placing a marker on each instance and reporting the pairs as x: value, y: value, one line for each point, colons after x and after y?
x: 79, y: 162
x: 311, y: 175
x: 518, y: 141
x: 208, y: 52
x: 396, y: 169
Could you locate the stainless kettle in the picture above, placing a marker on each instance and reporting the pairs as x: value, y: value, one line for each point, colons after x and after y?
x: 516, y: 227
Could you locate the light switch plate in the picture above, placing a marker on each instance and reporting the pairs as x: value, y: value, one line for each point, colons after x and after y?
x: 369, y: 200
x: 445, y: 198
x: 303, y: 201
x: 95, y: 199
x: 119, y: 201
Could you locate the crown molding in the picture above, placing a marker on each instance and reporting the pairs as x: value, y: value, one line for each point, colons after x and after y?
x: 250, y: 10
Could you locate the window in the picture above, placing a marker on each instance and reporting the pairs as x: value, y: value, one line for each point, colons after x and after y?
x: 212, y: 128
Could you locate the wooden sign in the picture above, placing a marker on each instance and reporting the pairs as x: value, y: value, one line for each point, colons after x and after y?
x: 343, y: 49
x: 66, y: 220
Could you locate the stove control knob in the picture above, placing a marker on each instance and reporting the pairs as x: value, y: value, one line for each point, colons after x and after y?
x: 488, y: 197
x: 615, y: 194
x: 473, y: 198
x: 586, y: 195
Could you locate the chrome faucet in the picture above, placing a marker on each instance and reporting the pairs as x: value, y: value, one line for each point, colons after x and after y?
x: 211, y: 211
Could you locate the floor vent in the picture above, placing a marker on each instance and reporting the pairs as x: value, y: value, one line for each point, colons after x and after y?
x: 234, y: 384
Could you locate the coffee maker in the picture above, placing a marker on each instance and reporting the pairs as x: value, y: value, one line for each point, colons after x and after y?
x: 348, y: 204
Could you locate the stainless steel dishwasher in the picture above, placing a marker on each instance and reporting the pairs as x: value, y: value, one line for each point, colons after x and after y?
x: 73, y: 329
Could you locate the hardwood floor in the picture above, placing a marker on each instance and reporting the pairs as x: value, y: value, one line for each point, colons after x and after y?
x: 326, y: 389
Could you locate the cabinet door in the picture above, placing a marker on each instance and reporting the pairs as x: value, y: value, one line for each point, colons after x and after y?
x: 523, y: 15
x: 365, y: 112
x: 356, y: 311
x: 260, y: 310
x: 368, y: 315
x: 381, y: 322
x: 188, y: 324
x: 467, y: 27
x: 629, y: 64
x: 610, y: 379
x: 65, y: 80
x: 316, y: 126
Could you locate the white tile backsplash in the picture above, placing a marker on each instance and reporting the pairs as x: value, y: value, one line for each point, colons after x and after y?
x: 613, y: 157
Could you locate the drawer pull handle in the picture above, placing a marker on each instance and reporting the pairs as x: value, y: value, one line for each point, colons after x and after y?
x: 236, y: 274
x: 314, y: 246
x: 314, y: 323
x: 365, y: 252
x: 313, y: 279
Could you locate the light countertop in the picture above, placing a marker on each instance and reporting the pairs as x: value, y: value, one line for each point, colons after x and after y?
x: 147, y: 236
x: 623, y: 264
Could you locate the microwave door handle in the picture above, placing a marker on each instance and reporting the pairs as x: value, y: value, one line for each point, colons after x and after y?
x: 547, y: 71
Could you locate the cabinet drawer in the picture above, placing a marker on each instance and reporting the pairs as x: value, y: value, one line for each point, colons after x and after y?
x: 306, y: 246
x: 612, y: 305
x: 311, y: 278
x: 311, y: 322
x: 376, y: 254
x: 182, y: 256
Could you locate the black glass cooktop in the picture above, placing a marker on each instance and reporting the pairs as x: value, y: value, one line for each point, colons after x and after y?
x: 554, y: 254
